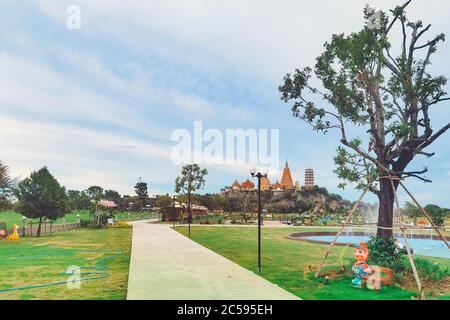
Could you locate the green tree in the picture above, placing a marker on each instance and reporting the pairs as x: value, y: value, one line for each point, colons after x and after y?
x: 164, y: 201
x: 112, y: 195
x: 302, y: 206
x: 437, y: 214
x: 73, y: 199
x: 366, y: 83
x: 6, y: 183
x: 412, y: 211
x: 94, y: 192
x: 41, y: 196
x: 192, y: 178
x: 141, y: 189
x: 234, y: 202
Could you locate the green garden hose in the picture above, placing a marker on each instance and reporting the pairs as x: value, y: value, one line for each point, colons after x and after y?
x: 95, y: 275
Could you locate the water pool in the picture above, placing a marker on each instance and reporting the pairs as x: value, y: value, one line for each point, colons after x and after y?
x: 422, y: 247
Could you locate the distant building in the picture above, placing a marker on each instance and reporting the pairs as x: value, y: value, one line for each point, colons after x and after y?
x: 265, y: 184
x: 236, y: 186
x: 286, y: 184
x: 179, y: 210
x: 286, y: 179
x: 247, y: 186
x: 309, y: 178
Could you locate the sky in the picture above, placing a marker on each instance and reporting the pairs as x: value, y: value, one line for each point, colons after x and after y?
x: 98, y: 105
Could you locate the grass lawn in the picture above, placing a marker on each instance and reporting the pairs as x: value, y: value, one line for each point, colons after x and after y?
x: 39, y: 261
x: 15, y: 218
x: 285, y: 262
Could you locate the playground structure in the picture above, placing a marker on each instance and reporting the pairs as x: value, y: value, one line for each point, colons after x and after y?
x: 15, y: 235
x: 4, y: 233
x: 403, y: 228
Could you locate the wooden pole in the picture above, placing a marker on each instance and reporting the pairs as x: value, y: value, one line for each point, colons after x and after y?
x: 408, y: 250
x: 339, y: 233
x: 426, y: 215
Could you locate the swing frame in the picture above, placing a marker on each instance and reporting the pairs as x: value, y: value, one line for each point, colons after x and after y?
x: 402, y: 230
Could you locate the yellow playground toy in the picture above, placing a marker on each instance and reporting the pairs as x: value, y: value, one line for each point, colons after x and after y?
x: 15, y: 236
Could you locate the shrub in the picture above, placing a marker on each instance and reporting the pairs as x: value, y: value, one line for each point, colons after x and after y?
x: 385, y: 253
x: 437, y: 214
x: 121, y: 224
x: 429, y: 270
x: 84, y: 223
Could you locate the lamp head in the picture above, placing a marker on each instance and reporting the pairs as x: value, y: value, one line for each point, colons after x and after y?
x: 253, y: 171
x: 265, y: 172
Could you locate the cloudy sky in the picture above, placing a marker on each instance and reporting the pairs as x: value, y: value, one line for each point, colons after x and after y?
x: 98, y: 105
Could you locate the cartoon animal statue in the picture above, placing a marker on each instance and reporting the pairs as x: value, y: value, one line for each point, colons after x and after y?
x: 361, y: 270
x: 15, y: 236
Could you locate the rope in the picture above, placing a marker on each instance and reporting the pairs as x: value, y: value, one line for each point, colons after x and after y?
x: 408, y: 250
x: 390, y: 178
x: 322, y: 263
x: 426, y: 215
x: 402, y: 228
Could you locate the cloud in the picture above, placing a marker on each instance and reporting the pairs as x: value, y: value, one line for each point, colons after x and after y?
x: 267, y: 37
x: 100, y: 103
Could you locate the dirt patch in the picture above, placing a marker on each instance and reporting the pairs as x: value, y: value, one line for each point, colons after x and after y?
x: 335, y: 273
x: 430, y: 287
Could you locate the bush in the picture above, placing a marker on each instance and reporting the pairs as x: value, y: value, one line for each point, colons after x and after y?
x: 121, y: 224
x: 429, y: 270
x: 437, y: 214
x: 84, y: 223
x: 384, y: 253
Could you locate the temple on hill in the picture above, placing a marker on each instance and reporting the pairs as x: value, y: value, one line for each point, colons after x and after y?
x: 286, y: 185
x: 286, y: 179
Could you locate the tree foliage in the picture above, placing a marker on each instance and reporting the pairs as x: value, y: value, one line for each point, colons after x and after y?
x: 141, y: 189
x: 192, y: 178
x: 385, y: 88
x: 94, y: 192
x: 78, y: 200
x: 41, y: 196
x: 437, y: 214
x: 112, y: 195
x: 6, y: 183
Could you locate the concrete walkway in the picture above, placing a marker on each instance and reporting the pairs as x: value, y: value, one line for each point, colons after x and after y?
x: 167, y: 265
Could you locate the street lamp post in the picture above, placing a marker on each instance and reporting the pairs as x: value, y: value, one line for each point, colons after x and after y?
x: 259, y: 176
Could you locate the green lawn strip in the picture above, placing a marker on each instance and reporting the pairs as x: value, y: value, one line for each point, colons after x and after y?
x: 285, y: 262
x: 11, y: 218
x: 41, y: 261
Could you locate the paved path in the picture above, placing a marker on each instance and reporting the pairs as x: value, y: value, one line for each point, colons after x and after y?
x: 167, y: 265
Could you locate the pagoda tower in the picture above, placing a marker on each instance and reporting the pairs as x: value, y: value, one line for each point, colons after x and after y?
x: 309, y: 178
x: 297, y: 186
x: 286, y: 180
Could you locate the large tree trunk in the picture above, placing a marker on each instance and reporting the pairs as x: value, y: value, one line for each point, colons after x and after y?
x: 38, y: 234
x: 386, y: 210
